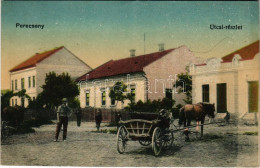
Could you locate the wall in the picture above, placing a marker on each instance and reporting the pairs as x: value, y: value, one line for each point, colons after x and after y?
x: 94, y: 87
x: 162, y: 73
x: 18, y: 75
x: 212, y: 79
x: 249, y: 72
x: 59, y: 62
x: 236, y: 76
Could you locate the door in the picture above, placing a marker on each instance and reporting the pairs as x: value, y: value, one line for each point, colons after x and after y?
x: 253, y: 96
x: 221, y: 97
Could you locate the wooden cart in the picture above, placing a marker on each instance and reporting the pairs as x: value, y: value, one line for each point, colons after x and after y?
x: 155, y: 132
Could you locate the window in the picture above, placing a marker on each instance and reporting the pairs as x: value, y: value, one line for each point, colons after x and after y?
x: 15, y: 101
x: 15, y: 84
x: 113, y: 101
x: 12, y: 102
x: 112, y: 98
x: 103, y: 96
x: 29, y: 82
x: 205, y: 93
x: 22, y: 83
x: 33, y: 98
x: 12, y: 85
x: 168, y: 93
x: 87, y: 98
x: 132, y: 95
x: 22, y: 102
x: 33, y: 81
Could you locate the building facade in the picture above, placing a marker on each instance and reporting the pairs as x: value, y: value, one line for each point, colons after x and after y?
x: 30, y: 74
x: 148, y: 77
x: 231, y: 82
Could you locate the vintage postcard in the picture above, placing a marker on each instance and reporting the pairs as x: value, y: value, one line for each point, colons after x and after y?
x: 130, y: 83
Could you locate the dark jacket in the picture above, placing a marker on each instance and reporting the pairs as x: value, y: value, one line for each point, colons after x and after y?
x: 98, y: 117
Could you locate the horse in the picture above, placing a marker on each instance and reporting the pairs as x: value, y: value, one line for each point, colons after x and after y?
x: 195, y: 112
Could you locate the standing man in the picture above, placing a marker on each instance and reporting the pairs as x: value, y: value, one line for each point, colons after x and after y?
x: 98, y: 118
x: 62, y: 118
x: 78, y: 114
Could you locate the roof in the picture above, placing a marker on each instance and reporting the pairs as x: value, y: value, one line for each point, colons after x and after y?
x: 32, y: 61
x: 247, y: 53
x: 124, y: 66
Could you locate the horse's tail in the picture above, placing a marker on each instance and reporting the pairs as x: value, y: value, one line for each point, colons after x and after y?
x: 181, y: 115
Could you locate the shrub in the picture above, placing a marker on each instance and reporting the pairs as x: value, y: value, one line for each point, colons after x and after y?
x: 149, y: 106
x: 250, y: 133
x: 175, y: 111
x: 36, y: 122
x: 37, y: 103
x: 14, y: 115
x: 24, y: 128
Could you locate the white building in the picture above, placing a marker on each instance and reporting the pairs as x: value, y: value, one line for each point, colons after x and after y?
x: 30, y: 74
x: 230, y: 82
x: 148, y: 77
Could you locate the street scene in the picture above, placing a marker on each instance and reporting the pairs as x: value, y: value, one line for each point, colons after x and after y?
x: 225, y: 146
x: 130, y: 84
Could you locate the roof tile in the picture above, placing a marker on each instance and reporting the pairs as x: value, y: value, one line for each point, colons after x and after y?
x: 248, y: 52
x: 124, y: 66
x: 32, y: 61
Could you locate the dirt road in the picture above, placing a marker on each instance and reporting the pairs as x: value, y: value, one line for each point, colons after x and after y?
x: 221, y: 146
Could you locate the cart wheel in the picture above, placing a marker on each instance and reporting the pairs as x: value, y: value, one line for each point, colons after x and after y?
x: 121, y: 139
x: 168, y: 139
x: 145, y: 142
x: 157, y: 141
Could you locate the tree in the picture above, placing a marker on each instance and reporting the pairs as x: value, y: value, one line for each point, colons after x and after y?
x: 5, y: 99
x: 22, y: 94
x: 57, y: 87
x: 38, y: 103
x: 6, y: 96
x: 75, y: 103
x: 184, y: 85
x: 118, y: 92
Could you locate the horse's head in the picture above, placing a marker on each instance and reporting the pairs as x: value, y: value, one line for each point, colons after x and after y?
x: 211, y: 110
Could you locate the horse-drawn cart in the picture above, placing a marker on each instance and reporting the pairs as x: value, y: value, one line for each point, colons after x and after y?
x: 154, y: 131
x: 154, y: 128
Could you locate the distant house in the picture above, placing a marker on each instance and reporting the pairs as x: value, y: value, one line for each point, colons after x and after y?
x: 149, y: 76
x: 30, y: 74
x: 231, y: 82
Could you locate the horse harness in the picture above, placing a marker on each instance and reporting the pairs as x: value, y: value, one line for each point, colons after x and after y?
x: 202, y: 114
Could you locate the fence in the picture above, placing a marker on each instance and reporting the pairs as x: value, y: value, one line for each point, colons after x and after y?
x: 45, y: 114
x: 88, y: 114
x: 108, y: 115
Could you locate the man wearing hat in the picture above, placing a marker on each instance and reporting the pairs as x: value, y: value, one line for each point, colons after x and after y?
x: 62, y: 118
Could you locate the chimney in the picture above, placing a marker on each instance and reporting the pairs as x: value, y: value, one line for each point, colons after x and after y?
x: 132, y: 52
x: 161, y: 46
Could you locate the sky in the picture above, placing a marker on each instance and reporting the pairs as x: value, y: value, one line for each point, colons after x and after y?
x: 97, y: 32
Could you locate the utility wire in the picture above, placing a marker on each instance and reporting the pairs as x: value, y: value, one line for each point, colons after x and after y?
x: 213, y: 46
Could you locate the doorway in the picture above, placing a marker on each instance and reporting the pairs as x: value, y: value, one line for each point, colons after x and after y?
x: 221, y: 97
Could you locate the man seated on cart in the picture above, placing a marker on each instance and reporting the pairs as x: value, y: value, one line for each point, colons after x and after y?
x: 165, y: 116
